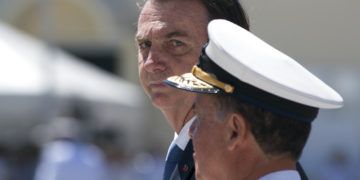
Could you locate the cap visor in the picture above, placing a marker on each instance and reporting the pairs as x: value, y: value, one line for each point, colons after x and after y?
x: 189, y: 82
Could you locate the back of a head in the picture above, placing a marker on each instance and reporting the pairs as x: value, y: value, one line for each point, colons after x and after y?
x: 230, y: 10
x: 277, y: 135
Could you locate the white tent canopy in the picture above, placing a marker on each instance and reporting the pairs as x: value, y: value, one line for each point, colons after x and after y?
x: 20, y: 64
x: 35, y: 79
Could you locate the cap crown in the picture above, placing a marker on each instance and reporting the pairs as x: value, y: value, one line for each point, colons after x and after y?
x: 255, y: 62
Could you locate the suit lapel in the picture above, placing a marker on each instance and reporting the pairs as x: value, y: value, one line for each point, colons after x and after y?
x: 186, y: 167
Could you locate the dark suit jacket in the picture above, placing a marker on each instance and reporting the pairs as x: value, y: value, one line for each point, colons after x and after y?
x: 185, y: 169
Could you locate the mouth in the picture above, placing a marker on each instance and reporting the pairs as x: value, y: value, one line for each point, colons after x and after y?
x: 157, y: 84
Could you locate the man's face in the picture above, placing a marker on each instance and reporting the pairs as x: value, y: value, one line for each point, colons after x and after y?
x: 208, y: 134
x: 170, y: 36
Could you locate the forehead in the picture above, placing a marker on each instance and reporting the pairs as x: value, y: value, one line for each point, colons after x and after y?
x: 173, y: 15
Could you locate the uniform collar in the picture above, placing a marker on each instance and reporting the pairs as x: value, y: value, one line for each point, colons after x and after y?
x: 182, y: 139
x: 282, y: 175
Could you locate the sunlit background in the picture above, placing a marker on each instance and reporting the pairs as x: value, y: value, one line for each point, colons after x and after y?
x: 77, y: 58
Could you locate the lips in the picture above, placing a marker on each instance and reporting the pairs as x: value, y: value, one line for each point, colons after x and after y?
x: 157, y: 85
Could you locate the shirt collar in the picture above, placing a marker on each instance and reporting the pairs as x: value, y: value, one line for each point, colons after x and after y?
x: 183, y: 137
x: 282, y: 175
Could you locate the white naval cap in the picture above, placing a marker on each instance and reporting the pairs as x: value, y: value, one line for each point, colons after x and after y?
x: 238, y: 63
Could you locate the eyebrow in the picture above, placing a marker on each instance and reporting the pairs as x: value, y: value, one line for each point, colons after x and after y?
x: 141, y: 38
x: 176, y: 34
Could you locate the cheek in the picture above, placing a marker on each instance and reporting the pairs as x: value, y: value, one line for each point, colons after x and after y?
x: 140, y: 57
x: 185, y: 63
x: 140, y: 61
x: 201, y: 139
x: 180, y: 66
x: 142, y: 77
x: 141, y: 71
x: 206, y: 160
x: 208, y: 140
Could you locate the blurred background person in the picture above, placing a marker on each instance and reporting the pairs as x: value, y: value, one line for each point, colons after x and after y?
x: 67, y: 156
x: 23, y: 161
x: 123, y: 165
x: 4, y: 164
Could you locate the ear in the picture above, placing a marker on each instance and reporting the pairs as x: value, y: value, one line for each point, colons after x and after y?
x: 237, y: 131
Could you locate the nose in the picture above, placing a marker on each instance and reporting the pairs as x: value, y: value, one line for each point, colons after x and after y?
x: 193, y: 128
x: 154, y: 62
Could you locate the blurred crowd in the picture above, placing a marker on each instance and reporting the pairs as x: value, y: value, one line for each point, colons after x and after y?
x: 68, y: 152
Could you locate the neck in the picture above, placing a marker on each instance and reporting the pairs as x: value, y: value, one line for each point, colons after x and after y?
x: 271, y: 165
x: 254, y: 163
x: 179, y: 116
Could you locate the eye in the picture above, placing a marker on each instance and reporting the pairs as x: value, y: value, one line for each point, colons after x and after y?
x: 176, y: 43
x: 177, y: 47
x: 144, y: 44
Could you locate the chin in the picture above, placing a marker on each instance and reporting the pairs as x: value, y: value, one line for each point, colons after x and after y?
x: 161, y: 100
x: 168, y: 99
